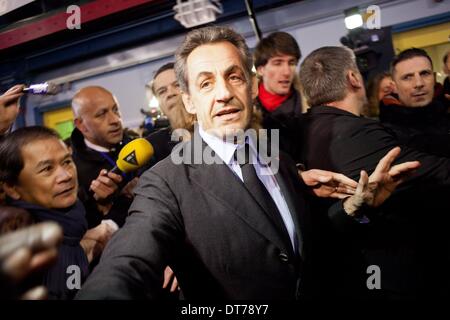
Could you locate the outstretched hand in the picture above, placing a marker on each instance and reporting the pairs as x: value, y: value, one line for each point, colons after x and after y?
x: 327, y: 184
x: 374, y: 190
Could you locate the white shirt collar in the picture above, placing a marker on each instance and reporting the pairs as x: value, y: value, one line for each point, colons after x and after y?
x: 95, y: 147
x: 224, y: 149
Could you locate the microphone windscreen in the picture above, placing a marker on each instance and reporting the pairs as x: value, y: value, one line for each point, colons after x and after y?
x: 134, y: 155
x: 46, y: 88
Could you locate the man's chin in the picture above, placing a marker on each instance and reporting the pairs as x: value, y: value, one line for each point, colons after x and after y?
x: 65, y: 203
x: 420, y: 104
x: 229, y: 131
x: 283, y: 91
x: 115, y: 140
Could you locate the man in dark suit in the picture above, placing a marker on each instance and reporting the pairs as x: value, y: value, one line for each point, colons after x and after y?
x: 229, y: 228
x: 407, y: 238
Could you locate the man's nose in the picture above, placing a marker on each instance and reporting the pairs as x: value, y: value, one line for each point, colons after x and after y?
x: 418, y: 81
x: 287, y: 69
x: 114, y: 117
x: 64, y: 174
x: 172, y: 91
x: 223, y: 92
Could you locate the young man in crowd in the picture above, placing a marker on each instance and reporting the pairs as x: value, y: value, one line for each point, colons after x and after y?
x: 276, y: 59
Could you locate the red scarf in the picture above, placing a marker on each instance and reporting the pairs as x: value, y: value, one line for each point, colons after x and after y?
x: 271, y: 101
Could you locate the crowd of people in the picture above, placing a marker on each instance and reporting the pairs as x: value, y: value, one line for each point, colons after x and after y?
x: 360, y: 178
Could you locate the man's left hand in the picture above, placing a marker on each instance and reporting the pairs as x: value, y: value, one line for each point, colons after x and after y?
x: 374, y: 190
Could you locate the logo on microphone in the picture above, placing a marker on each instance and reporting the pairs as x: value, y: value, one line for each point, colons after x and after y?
x: 131, y: 158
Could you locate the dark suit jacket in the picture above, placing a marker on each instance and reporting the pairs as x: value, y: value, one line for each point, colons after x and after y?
x: 408, y: 237
x: 89, y: 163
x: 202, y: 221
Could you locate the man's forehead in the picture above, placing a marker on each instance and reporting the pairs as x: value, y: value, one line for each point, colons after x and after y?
x: 164, y: 78
x: 38, y: 151
x: 282, y: 56
x: 95, y: 103
x: 210, y: 57
x: 413, y: 64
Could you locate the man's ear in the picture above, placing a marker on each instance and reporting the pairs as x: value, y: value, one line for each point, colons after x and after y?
x: 80, y: 125
x: 11, y: 191
x: 355, y: 79
x: 394, y: 87
x: 260, y: 71
x: 188, y: 103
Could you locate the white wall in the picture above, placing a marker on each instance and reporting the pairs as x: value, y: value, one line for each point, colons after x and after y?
x: 314, y: 23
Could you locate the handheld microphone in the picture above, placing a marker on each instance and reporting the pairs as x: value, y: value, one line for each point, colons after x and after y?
x: 134, y: 155
x: 46, y: 88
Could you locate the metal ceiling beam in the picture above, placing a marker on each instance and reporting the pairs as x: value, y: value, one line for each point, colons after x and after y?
x: 58, y: 22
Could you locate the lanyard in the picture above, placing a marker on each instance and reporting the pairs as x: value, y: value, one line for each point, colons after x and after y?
x: 106, y: 156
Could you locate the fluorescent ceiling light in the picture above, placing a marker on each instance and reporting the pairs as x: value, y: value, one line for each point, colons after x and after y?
x: 354, y: 21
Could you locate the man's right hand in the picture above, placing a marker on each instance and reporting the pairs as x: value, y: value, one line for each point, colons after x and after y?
x: 9, y: 107
x: 106, y: 184
x: 95, y: 239
x: 170, y: 280
x: 328, y: 184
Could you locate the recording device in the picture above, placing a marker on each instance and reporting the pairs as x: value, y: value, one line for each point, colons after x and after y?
x: 46, y: 88
x: 373, y: 49
x: 134, y: 155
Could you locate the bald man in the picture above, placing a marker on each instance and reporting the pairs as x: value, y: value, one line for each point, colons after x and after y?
x: 96, y: 142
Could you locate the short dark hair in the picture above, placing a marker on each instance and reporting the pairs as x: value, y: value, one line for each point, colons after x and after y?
x: 323, y: 74
x: 11, y: 161
x: 165, y: 67
x: 274, y: 44
x: 210, y: 35
x: 409, y: 54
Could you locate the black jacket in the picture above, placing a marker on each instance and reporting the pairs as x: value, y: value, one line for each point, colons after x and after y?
x: 89, y: 163
x: 284, y: 118
x: 162, y: 144
x: 407, y: 237
x: 426, y: 129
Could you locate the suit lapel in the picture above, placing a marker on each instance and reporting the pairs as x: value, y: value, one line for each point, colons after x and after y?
x: 221, y: 183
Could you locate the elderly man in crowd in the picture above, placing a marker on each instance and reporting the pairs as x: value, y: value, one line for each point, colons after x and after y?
x: 39, y: 176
